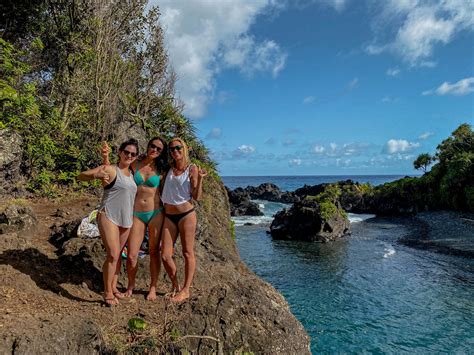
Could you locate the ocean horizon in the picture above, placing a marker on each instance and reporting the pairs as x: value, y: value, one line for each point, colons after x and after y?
x: 293, y: 182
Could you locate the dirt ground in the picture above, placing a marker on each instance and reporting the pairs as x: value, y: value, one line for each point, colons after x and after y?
x: 37, y: 301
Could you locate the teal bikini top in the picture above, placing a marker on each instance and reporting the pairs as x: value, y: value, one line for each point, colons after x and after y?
x: 152, y: 181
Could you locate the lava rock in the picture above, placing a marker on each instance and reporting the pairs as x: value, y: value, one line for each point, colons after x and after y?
x: 307, y: 220
x: 17, y: 218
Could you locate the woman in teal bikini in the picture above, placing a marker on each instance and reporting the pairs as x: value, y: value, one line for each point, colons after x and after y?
x: 147, y: 212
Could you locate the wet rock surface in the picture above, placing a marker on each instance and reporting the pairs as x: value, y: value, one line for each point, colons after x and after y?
x: 447, y: 232
x: 240, y: 204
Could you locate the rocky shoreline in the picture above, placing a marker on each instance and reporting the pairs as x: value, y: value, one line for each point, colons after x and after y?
x: 448, y: 232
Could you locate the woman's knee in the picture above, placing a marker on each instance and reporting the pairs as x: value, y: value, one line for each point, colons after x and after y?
x: 166, y: 257
x: 189, y: 255
x: 132, y: 258
x: 113, y: 258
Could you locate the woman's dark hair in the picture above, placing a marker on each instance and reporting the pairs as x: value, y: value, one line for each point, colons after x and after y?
x: 131, y: 141
x: 161, y: 162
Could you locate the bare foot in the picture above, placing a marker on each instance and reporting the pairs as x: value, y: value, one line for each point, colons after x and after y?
x: 151, y: 294
x: 110, y: 300
x: 175, y: 288
x: 129, y: 292
x: 181, y: 296
x: 118, y: 294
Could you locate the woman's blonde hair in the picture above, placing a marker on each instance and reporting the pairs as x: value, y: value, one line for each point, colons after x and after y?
x: 185, y: 151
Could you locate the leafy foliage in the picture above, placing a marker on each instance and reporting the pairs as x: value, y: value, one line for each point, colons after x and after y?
x: 78, y: 72
x: 423, y: 161
x: 449, y: 184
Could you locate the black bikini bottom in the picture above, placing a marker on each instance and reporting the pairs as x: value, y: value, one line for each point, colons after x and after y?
x: 175, y: 218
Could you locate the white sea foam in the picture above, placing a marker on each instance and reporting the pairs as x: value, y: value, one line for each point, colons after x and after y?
x: 243, y: 220
x: 271, y: 208
x: 355, y: 217
x: 388, y: 251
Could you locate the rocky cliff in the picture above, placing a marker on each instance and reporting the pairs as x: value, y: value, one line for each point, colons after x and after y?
x: 230, y: 309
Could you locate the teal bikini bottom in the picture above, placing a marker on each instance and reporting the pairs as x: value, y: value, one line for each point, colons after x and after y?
x: 147, y: 216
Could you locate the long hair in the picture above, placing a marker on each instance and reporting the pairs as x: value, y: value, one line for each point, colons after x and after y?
x: 161, y: 162
x: 185, y: 151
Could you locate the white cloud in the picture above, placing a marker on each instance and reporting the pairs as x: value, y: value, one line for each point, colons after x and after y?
x: 288, y: 142
x: 246, y: 149
x: 318, y: 149
x: 394, y: 146
x: 393, y: 71
x: 389, y: 99
x: 214, y: 133
x: 425, y: 135
x: 333, y: 146
x: 421, y: 25
x: 295, y: 162
x: 203, y: 37
x: 308, y: 99
x: 462, y: 87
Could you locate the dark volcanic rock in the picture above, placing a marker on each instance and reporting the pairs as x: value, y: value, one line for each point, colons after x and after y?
x: 305, y: 221
x: 240, y: 204
x: 270, y: 192
x: 228, y: 301
x: 16, y: 218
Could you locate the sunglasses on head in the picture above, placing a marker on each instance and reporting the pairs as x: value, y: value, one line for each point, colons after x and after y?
x: 152, y: 146
x: 176, y: 147
x: 127, y: 152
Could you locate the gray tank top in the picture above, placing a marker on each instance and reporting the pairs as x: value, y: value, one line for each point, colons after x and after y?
x: 117, y: 201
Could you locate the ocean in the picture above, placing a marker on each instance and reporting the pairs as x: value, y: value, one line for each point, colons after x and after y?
x: 365, y: 293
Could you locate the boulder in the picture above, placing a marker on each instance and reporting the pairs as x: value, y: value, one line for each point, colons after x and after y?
x: 310, y: 221
x: 240, y: 204
x: 17, y: 218
x: 10, y: 162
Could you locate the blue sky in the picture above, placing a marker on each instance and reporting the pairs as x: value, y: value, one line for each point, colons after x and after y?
x: 322, y: 87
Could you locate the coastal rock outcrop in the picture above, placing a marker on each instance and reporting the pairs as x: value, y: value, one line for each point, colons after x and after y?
x: 270, y: 192
x: 228, y: 302
x: 311, y: 221
x: 240, y: 204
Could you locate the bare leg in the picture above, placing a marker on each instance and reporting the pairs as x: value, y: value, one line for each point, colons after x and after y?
x: 109, y: 233
x: 135, y: 240
x: 124, y: 233
x: 187, y: 231
x: 154, y: 230
x: 168, y: 236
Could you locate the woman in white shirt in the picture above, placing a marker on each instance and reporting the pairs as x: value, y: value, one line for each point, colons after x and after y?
x: 183, y: 184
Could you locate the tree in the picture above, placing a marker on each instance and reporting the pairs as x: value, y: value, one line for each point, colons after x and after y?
x: 423, y: 161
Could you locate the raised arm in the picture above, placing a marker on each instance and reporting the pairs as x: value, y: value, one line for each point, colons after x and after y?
x: 196, y: 176
x: 103, y: 173
x: 104, y: 152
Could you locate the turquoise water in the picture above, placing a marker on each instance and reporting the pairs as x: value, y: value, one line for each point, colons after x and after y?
x: 367, y: 293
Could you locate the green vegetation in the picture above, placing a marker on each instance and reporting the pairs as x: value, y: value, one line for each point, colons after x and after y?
x: 232, y: 228
x: 328, y: 200
x: 423, y: 162
x: 74, y: 73
x: 450, y: 182
x: 136, y: 324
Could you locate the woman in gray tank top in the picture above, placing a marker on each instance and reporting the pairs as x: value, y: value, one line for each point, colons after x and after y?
x: 115, y: 215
